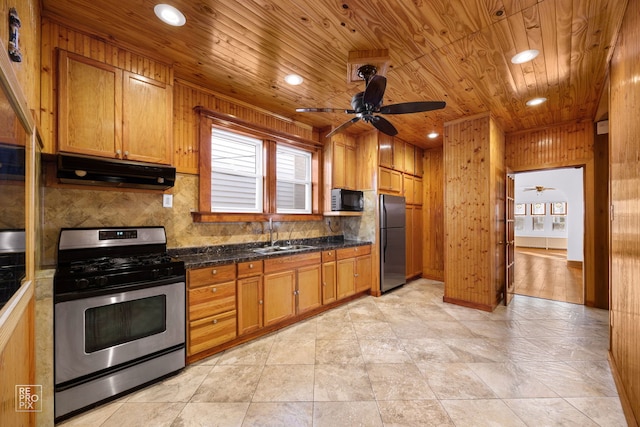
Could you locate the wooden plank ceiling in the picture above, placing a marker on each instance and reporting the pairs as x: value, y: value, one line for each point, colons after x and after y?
x: 457, y: 51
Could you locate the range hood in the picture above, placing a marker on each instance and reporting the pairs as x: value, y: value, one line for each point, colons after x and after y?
x: 87, y: 170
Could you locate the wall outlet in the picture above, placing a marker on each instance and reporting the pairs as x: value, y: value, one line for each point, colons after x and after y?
x: 167, y: 200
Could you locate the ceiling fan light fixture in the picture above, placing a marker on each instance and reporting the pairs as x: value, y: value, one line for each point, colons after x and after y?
x: 293, y: 79
x: 169, y: 15
x: 524, y: 56
x: 536, y: 101
x: 433, y: 135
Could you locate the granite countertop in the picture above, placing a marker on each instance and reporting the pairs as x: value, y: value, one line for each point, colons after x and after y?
x: 207, y: 256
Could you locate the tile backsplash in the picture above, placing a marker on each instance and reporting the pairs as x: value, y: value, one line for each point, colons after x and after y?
x: 93, y: 207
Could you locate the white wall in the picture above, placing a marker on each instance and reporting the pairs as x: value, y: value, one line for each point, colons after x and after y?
x: 568, y: 184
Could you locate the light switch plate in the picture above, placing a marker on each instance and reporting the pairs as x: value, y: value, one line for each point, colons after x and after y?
x: 167, y: 200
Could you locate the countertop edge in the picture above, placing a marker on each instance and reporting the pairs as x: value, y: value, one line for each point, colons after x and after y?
x: 200, y: 260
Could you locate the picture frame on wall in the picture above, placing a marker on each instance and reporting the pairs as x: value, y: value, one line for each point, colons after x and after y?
x: 520, y: 209
x: 538, y: 208
x: 558, y: 208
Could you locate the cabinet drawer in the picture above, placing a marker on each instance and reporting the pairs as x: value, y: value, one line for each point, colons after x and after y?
x: 209, y: 300
x: 209, y: 275
x: 211, y: 331
x: 249, y: 268
x: 291, y: 262
x: 353, y: 252
x: 328, y: 256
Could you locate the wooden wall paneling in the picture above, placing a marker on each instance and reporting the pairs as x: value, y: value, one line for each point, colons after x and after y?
x: 469, y: 279
x: 601, y: 219
x: 17, y: 355
x: 565, y: 145
x: 497, y: 189
x: 433, y: 214
x: 187, y: 96
x: 624, y: 151
x: 57, y: 36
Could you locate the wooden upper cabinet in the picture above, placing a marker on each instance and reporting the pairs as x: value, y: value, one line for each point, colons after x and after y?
x: 419, y: 165
x: 108, y: 112
x: 89, y: 106
x: 385, y: 150
x: 409, y: 159
x: 343, y: 161
x: 147, y: 116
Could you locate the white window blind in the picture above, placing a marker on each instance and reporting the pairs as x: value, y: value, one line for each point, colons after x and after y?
x: 236, y: 172
x: 293, y: 180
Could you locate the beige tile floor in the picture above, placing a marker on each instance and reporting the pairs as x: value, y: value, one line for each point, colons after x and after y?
x: 404, y: 359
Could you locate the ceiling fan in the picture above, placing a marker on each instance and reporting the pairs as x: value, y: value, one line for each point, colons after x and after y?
x: 538, y: 188
x: 365, y: 104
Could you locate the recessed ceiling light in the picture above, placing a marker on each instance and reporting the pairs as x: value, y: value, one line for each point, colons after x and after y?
x: 524, y: 56
x: 433, y: 135
x: 536, y: 101
x: 169, y: 15
x: 293, y: 79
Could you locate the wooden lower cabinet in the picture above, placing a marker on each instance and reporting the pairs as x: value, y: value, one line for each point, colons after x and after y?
x: 308, y: 292
x: 211, y: 301
x: 346, y: 285
x: 211, y: 331
x: 279, y: 296
x: 229, y: 302
x: 329, y: 280
x: 353, y: 270
x: 250, y: 304
x: 413, y: 242
x: 363, y: 273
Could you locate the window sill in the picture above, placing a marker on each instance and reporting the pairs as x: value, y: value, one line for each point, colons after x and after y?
x: 204, y: 217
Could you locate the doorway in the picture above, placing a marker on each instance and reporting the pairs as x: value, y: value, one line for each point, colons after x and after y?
x: 549, y: 234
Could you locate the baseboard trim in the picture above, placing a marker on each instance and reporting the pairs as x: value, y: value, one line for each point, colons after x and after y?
x: 624, y: 399
x: 469, y: 304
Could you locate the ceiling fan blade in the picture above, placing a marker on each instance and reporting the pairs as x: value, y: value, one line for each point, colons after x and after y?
x: 324, y: 110
x: 412, y: 107
x: 375, y: 91
x: 343, y: 127
x: 383, y: 125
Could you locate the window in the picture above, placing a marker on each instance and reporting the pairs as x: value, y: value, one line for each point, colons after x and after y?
x: 236, y: 172
x: 249, y: 172
x: 293, y: 182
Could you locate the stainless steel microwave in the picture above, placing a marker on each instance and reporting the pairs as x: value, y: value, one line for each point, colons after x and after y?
x: 347, y: 200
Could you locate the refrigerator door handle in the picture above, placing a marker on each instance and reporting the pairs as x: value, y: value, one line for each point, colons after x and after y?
x: 384, y: 245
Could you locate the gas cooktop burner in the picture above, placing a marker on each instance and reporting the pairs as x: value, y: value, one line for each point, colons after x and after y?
x: 106, y: 263
x: 105, y: 259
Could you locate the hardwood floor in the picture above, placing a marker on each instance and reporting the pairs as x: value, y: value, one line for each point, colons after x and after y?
x: 544, y: 273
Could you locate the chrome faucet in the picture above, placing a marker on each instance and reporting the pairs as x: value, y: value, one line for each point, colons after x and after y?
x: 271, y: 241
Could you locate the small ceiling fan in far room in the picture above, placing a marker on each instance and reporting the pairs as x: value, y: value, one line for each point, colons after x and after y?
x: 366, y: 104
x: 538, y: 188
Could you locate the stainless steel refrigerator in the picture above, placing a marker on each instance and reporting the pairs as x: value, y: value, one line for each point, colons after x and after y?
x: 392, y: 242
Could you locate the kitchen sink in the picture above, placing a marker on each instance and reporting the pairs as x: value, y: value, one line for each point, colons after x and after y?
x: 282, y: 249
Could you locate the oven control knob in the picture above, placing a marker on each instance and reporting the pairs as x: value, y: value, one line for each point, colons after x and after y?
x: 82, y: 283
x: 155, y: 273
x: 101, y: 281
x: 168, y: 271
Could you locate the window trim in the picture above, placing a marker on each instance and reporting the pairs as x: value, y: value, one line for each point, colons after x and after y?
x: 209, y: 119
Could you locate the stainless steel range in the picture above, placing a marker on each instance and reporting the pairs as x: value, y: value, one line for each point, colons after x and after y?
x: 119, y: 314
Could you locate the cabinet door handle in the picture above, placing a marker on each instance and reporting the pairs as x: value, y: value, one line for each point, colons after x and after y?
x: 260, y: 302
x: 126, y: 154
x: 215, y: 321
x: 355, y: 274
x: 214, y: 271
x: 250, y: 265
x: 214, y: 290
